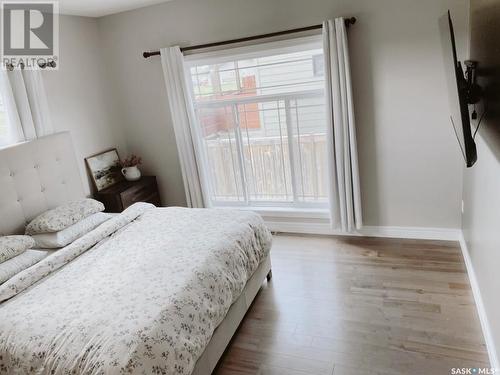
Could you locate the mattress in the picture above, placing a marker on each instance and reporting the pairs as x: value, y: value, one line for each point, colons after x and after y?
x: 141, y: 294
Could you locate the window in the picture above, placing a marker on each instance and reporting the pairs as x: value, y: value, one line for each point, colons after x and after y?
x: 261, y: 124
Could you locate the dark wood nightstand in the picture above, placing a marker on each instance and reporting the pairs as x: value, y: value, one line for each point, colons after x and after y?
x: 118, y: 197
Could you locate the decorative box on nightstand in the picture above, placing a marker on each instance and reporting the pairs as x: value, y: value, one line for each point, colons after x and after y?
x: 118, y: 197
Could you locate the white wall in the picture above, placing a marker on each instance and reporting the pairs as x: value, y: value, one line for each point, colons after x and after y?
x: 481, y: 218
x: 78, y: 93
x: 481, y: 228
x: 410, y: 163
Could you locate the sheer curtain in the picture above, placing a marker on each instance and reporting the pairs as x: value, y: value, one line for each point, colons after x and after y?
x: 25, y: 105
x: 344, y: 189
x: 183, y: 118
x: 12, y: 131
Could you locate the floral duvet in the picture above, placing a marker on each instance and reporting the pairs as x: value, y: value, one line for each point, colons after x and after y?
x: 140, y: 294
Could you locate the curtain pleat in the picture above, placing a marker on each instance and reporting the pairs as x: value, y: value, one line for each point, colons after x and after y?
x: 14, y: 128
x: 344, y: 187
x: 183, y: 119
x: 21, y: 99
x: 25, y: 103
x: 38, y: 104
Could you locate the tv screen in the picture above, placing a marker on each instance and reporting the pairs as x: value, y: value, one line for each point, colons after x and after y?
x: 457, y: 91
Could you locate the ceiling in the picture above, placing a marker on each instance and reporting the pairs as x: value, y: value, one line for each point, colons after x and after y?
x: 99, y: 8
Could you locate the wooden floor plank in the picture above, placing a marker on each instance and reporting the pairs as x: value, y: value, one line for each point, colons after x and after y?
x: 350, y: 305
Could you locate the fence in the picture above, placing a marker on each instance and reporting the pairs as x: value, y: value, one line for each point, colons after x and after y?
x: 265, y: 170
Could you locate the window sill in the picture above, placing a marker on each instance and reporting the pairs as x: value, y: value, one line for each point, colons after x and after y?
x: 287, y: 212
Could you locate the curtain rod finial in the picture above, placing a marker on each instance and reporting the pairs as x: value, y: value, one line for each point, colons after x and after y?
x: 350, y: 21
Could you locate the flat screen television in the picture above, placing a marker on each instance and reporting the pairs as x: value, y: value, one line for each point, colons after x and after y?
x: 457, y: 91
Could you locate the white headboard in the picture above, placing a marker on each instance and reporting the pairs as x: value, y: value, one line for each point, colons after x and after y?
x: 36, y: 176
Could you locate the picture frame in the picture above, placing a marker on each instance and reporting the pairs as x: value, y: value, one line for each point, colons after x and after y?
x: 104, y: 168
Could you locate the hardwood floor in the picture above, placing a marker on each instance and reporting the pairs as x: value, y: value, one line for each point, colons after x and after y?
x: 359, y: 306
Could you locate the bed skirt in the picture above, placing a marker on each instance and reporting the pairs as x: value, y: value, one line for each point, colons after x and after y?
x: 225, y: 331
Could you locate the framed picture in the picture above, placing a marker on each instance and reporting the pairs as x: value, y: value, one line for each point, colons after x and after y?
x: 105, y: 169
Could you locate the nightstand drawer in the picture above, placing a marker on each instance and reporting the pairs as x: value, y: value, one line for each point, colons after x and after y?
x: 137, y: 194
x: 153, y: 198
x: 118, y: 197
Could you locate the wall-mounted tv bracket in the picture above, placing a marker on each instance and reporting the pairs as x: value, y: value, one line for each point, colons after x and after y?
x: 473, y: 92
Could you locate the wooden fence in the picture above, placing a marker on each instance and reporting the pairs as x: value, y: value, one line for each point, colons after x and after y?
x: 268, y: 169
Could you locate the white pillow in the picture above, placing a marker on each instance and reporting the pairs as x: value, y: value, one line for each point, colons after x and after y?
x: 71, y: 233
x: 17, y: 264
x: 11, y: 246
x: 63, y: 216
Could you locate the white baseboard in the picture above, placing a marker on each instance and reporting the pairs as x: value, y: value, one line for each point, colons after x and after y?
x: 483, y: 318
x: 448, y: 234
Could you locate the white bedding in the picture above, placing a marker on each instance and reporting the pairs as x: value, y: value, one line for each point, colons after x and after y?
x: 55, y: 240
x: 23, y: 261
x: 141, y: 294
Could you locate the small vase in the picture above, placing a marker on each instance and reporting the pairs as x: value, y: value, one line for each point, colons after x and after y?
x: 131, y: 173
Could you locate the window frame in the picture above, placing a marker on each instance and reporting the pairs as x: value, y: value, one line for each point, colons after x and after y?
x: 242, y: 53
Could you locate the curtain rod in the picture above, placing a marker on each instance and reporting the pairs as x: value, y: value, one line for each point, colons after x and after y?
x: 348, y: 22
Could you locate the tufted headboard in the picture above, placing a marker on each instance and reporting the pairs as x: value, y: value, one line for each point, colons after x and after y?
x: 36, y: 176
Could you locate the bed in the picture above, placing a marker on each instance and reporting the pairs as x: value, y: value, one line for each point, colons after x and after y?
x: 150, y: 291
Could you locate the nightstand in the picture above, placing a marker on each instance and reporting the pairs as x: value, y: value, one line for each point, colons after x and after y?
x: 123, y: 194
